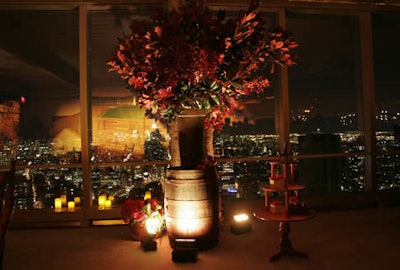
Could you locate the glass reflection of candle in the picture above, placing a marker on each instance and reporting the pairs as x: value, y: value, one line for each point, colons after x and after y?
x: 57, y: 204
x: 71, y: 206
x: 107, y: 204
x: 63, y: 200
x: 147, y: 195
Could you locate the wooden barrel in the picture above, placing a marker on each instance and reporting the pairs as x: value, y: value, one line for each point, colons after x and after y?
x: 192, y: 208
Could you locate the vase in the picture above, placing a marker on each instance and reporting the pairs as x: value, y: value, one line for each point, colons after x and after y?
x: 137, y: 231
x: 191, y: 138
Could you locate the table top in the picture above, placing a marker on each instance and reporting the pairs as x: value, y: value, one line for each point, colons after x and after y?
x: 266, y: 215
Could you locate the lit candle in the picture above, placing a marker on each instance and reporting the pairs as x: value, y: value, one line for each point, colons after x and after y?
x: 71, y: 206
x: 57, y: 204
x: 107, y: 204
x: 63, y: 200
x: 102, y: 200
x: 111, y: 198
x: 77, y: 201
x: 147, y: 195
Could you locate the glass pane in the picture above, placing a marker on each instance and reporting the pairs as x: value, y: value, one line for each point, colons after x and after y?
x: 121, y: 182
x: 387, y: 96
x: 119, y: 127
x: 324, y: 97
x: 251, y: 130
x: 39, y: 103
x: 38, y: 188
x: 39, y: 75
x: 323, y: 86
x: 243, y: 179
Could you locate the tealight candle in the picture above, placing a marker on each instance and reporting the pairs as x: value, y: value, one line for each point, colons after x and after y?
x: 57, y: 204
x: 71, y: 206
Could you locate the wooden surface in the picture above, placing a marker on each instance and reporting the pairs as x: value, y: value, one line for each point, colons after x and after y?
x: 289, y: 188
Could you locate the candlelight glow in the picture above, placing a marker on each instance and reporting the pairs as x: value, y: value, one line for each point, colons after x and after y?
x: 77, y: 201
x: 107, y: 204
x: 102, y: 201
x: 57, y: 204
x: 71, y: 206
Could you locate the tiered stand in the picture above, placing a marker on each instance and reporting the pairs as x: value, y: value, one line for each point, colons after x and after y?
x: 288, y: 188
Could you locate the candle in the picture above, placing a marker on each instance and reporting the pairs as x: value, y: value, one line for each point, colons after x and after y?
x: 77, y: 201
x: 71, y: 206
x: 58, y: 204
x: 102, y: 201
x: 111, y: 198
x: 147, y: 195
x: 64, y: 200
x: 107, y: 204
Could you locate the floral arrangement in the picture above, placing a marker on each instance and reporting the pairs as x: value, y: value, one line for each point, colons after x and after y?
x: 139, y: 211
x: 193, y: 58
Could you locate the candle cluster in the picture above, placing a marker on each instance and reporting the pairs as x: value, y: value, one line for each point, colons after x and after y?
x: 61, y: 204
x: 105, y: 202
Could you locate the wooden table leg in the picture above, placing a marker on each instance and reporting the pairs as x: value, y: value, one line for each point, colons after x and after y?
x: 285, y: 248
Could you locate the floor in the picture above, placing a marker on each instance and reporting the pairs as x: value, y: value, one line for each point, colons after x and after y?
x: 365, y: 239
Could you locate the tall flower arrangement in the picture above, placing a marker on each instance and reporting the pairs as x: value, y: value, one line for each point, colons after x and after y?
x: 193, y: 58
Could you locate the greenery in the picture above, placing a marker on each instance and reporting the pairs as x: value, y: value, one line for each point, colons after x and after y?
x: 198, y: 59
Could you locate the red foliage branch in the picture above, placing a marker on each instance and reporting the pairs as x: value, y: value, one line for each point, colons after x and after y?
x: 193, y: 58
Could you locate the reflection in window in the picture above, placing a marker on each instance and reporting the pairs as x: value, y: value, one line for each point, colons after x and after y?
x: 39, y: 93
x: 120, y: 130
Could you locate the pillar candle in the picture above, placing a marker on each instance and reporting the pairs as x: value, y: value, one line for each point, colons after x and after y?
x: 64, y: 200
x: 57, y: 204
x: 107, y: 204
x: 71, y: 206
x: 102, y: 200
x: 77, y: 201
